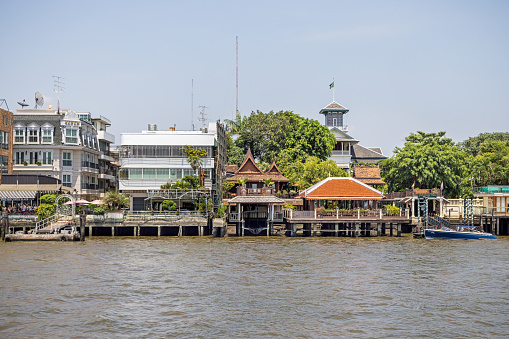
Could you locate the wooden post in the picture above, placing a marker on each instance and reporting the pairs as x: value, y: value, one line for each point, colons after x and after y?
x: 82, y: 227
x: 112, y: 231
x: 399, y: 230
x: 379, y: 229
x: 336, y: 227
x: 158, y: 231
x: 357, y: 231
x: 391, y: 231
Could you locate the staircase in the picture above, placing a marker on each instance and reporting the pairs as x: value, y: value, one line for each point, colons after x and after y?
x: 52, y: 224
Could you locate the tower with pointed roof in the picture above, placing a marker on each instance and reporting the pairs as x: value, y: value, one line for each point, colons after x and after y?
x: 347, y: 149
x: 342, y: 151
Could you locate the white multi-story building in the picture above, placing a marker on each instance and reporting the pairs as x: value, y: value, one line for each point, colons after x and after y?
x: 59, y: 143
x: 153, y: 158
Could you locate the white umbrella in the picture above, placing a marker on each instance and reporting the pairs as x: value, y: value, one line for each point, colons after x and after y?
x: 97, y: 202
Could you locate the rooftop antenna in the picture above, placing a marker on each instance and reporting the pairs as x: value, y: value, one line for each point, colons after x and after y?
x: 23, y: 104
x: 202, y: 117
x: 192, y: 104
x: 39, y: 100
x: 58, y: 87
x: 3, y: 101
x: 236, y: 76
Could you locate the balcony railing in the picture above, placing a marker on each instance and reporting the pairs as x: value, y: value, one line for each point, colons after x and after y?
x: 491, y: 190
x: 347, y: 214
x: 255, y: 191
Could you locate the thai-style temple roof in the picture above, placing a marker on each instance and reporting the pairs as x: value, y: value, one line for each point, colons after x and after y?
x: 334, y: 107
x: 370, y: 175
x: 230, y: 168
x: 249, y: 170
x: 341, y: 188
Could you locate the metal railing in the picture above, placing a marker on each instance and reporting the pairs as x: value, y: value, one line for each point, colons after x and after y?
x: 339, y: 214
x: 491, y: 190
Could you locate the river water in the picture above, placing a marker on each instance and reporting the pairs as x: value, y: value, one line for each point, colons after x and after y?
x: 254, y: 287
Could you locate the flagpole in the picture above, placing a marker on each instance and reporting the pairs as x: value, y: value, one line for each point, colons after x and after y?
x: 333, y: 89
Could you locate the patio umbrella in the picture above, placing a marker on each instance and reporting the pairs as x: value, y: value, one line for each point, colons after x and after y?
x: 82, y: 202
x: 97, y: 202
x: 69, y: 202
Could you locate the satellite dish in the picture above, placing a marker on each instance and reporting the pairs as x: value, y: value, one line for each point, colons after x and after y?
x: 23, y: 104
x: 39, y: 100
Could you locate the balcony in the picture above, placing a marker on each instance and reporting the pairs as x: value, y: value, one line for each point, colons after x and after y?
x: 103, y: 135
x: 255, y: 191
x: 106, y: 157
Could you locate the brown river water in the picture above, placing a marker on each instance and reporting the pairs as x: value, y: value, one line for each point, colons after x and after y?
x: 261, y: 287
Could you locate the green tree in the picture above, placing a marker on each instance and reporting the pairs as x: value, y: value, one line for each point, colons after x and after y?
x: 169, y: 205
x: 194, y: 158
x: 425, y: 161
x: 310, y: 172
x: 474, y: 145
x: 272, y: 136
x: 115, y: 200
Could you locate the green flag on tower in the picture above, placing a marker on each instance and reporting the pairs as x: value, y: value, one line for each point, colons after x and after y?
x: 331, y: 85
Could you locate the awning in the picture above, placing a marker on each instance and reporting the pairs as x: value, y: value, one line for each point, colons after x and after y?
x: 17, y: 195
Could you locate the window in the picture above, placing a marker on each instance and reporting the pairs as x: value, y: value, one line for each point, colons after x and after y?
x: 176, y: 173
x: 46, y: 158
x: 163, y: 173
x: 20, y: 158
x: 149, y: 173
x: 19, y: 135
x: 33, y: 135
x: 5, y: 164
x: 66, y: 180
x: 33, y: 157
x: 71, y: 136
x: 47, y: 136
x: 66, y: 159
x: 5, y: 140
x: 188, y: 171
x: 135, y: 173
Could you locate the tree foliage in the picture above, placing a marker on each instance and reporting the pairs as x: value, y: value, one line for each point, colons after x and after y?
x: 310, y: 172
x: 477, y: 145
x: 425, y: 161
x: 115, y: 200
x: 284, y: 134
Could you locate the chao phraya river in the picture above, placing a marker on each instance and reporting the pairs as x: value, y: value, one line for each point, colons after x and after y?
x: 255, y: 287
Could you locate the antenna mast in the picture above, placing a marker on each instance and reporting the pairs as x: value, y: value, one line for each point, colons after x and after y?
x: 202, y: 116
x: 236, y: 76
x: 58, y: 86
x: 192, y: 104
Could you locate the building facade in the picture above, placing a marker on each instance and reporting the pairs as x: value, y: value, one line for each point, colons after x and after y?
x: 62, y: 144
x: 6, y: 121
x: 153, y: 158
x: 108, y: 165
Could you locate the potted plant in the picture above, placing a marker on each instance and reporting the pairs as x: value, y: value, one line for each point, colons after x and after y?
x: 38, y: 163
x: 25, y: 163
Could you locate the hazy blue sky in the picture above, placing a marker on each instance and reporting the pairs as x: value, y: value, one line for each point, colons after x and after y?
x: 399, y: 66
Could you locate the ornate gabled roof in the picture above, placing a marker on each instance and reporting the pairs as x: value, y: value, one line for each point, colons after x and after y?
x: 364, y: 154
x: 334, y: 107
x: 249, y: 170
x: 249, y: 165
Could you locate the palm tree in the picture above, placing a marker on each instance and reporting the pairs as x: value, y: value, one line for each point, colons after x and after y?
x: 114, y: 200
x: 268, y: 182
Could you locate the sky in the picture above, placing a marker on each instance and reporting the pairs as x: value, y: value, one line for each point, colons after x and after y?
x: 398, y: 66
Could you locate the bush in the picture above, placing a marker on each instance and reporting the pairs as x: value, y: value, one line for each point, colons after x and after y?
x: 169, y: 205
x: 48, y: 199
x: 98, y: 211
x: 391, y: 208
x: 45, y: 211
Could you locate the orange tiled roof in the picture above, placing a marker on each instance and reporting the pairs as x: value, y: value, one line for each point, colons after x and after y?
x: 341, y: 189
